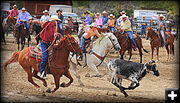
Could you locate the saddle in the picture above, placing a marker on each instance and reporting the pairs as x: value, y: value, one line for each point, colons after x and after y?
x: 36, y: 53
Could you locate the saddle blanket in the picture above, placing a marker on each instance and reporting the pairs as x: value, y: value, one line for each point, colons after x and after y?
x: 35, y: 53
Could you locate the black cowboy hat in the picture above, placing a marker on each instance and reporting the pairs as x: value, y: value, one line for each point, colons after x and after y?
x: 86, y: 12
x: 58, y: 10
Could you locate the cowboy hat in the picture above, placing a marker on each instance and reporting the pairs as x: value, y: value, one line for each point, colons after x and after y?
x: 161, y: 16
x: 14, y: 5
x: 124, y: 16
x: 97, y: 14
x: 123, y: 12
x: 23, y: 8
x: 104, y: 12
x: 58, y: 10
x: 54, y: 17
x: 111, y: 15
x: 45, y: 11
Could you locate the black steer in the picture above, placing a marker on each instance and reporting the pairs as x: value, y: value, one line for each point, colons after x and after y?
x: 120, y: 69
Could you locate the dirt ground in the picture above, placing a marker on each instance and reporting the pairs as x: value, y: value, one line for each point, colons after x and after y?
x: 16, y: 88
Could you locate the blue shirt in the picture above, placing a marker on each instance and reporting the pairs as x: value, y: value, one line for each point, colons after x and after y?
x: 104, y: 20
x: 24, y: 16
x: 87, y: 20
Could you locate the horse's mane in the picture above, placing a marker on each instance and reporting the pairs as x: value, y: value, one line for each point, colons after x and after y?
x: 99, y: 39
x: 62, y: 40
x: 152, y: 31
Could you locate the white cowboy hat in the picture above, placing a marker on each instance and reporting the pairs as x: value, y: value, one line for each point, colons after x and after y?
x: 23, y: 8
x: 93, y: 25
x: 54, y: 17
x: 45, y: 11
x: 104, y: 12
x: 14, y: 5
x: 124, y: 16
x: 123, y: 12
x: 161, y: 16
x: 111, y: 15
x: 97, y: 14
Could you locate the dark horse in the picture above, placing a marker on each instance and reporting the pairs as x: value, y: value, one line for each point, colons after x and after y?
x: 155, y: 41
x: 59, y: 64
x: 21, y: 34
x: 2, y: 35
x: 34, y: 27
x: 10, y: 24
x: 126, y: 44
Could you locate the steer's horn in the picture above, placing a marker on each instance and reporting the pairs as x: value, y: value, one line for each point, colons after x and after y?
x: 151, y: 62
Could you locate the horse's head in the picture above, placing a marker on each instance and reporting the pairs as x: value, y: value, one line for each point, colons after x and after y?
x: 11, y: 20
x: 150, y: 32
x: 112, y: 41
x: 70, y: 44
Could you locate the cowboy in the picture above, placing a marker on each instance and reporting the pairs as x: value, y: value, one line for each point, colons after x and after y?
x: 98, y: 20
x: 45, y: 17
x: 47, y: 35
x: 87, y: 18
x: 143, y: 26
x: 111, y: 22
x: 23, y: 17
x: 14, y: 12
x: 126, y: 28
x: 60, y: 23
x: 104, y: 18
x: 92, y: 31
x: 119, y: 20
x: 161, y: 28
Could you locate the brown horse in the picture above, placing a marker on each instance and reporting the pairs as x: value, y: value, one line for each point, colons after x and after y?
x: 59, y: 64
x: 126, y: 44
x: 155, y: 41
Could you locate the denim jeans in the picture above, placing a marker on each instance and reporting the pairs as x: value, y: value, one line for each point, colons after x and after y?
x: 130, y: 34
x: 60, y: 25
x: 111, y: 29
x: 44, y: 46
x: 82, y: 43
x: 143, y: 30
x: 25, y: 23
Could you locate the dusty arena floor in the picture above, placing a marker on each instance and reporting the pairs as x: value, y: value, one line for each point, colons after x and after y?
x: 16, y: 88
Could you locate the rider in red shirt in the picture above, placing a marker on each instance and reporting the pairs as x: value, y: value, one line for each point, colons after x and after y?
x: 47, y: 35
x: 14, y: 12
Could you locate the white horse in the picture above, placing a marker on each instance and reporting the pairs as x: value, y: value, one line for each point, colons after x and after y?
x: 100, y: 50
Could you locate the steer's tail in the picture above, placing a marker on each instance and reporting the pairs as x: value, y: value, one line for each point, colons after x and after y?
x: 13, y: 59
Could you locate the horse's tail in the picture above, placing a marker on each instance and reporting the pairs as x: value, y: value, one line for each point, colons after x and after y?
x: 13, y: 59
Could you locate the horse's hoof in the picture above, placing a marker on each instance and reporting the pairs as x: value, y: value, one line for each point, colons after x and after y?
x: 126, y: 95
x: 48, y: 90
x: 63, y: 85
x: 45, y: 84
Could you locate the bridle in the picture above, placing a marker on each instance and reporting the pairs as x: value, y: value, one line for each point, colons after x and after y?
x: 106, y: 52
